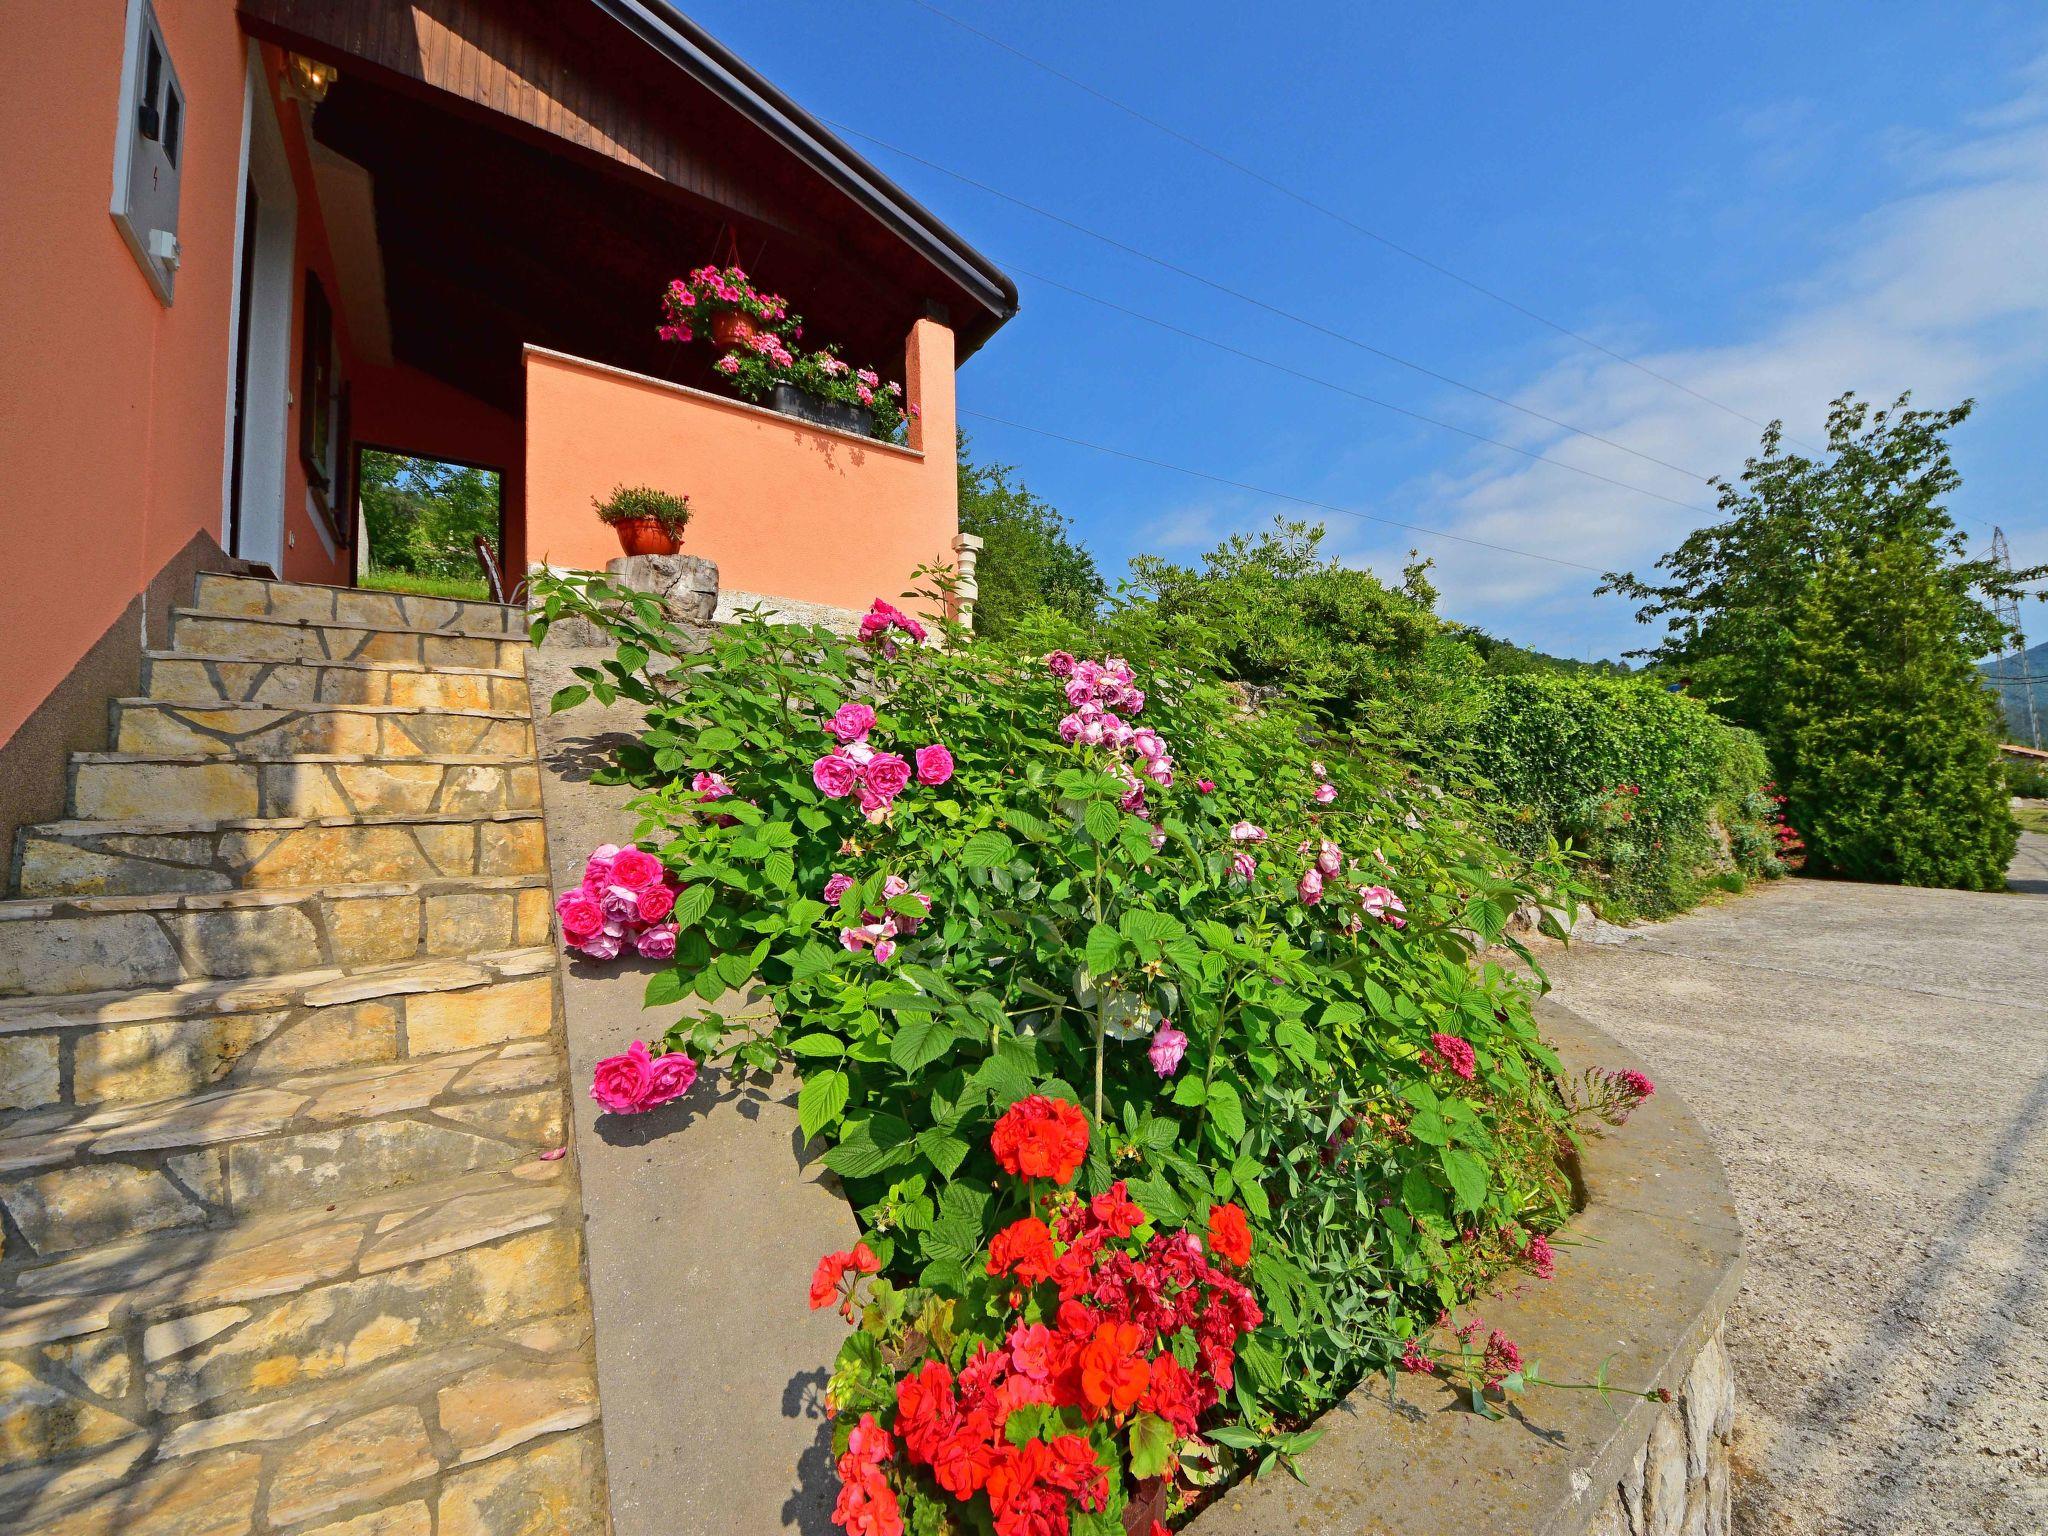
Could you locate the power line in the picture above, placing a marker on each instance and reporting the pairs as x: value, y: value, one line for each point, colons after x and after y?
x: 1259, y: 303
x: 1344, y: 389
x: 1330, y: 213
x: 1261, y: 490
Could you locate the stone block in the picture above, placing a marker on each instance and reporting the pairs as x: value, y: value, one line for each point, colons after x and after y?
x: 29, y: 1076
x: 138, y: 791
x: 365, y: 1458
x: 470, y: 922
x: 1664, y: 1478
x: 468, y: 1221
x: 686, y: 585
x: 411, y: 1519
x: 507, y: 1403
x: 160, y: 1341
x: 40, y: 1421
x: 78, y: 1207
x: 100, y: 1363
x: 467, y: 651
x: 350, y: 1161
x: 555, y: 1489
x: 166, y: 1058
x: 212, y: 1497
x: 94, y: 952
x: 246, y: 941
x: 1709, y: 1380
x: 530, y: 1119
x: 511, y: 848
x: 356, y: 1034
x: 372, y: 930
x: 444, y: 690
x: 461, y: 1021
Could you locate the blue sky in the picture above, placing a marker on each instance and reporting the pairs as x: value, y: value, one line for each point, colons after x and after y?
x: 1769, y: 203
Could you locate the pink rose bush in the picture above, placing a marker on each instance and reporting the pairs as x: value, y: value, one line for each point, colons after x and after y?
x: 875, y: 778
x: 878, y: 932
x: 624, y: 901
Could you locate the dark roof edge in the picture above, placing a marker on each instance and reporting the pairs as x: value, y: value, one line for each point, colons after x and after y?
x: 709, y: 61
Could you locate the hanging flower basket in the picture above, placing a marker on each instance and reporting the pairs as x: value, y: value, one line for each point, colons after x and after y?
x: 733, y: 329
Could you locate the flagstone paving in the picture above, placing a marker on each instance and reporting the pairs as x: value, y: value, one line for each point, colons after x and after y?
x: 280, y: 1056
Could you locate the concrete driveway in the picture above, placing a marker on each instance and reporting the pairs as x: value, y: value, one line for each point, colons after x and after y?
x: 1872, y: 1064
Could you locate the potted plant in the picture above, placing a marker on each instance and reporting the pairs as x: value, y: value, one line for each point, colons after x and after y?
x: 648, y: 521
x: 816, y: 386
x: 725, y: 300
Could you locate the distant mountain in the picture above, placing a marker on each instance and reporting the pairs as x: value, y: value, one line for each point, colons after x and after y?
x: 2002, y: 674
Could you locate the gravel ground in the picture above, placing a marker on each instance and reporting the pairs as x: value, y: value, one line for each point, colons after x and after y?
x: 1872, y: 1064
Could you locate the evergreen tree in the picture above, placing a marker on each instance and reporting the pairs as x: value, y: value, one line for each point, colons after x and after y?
x: 1888, y: 755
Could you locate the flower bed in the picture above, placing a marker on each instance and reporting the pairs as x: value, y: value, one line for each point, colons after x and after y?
x: 1103, y: 994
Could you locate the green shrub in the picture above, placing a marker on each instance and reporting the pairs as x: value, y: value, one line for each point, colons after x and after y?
x: 628, y: 502
x: 2026, y: 779
x: 1648, y: 784
x: 1891, y: 761
x: 1073, y: 912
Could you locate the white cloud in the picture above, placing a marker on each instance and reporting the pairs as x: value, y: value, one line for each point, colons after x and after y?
x: 1942, y: 289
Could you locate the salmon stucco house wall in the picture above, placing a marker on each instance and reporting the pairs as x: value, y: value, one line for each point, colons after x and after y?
x: 245, y: 240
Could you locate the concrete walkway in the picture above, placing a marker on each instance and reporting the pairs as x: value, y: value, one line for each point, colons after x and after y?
x: 1872, y: 1065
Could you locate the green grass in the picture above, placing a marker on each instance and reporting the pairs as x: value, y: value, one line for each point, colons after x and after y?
x: 468, y: 588
x: 2032, y: 818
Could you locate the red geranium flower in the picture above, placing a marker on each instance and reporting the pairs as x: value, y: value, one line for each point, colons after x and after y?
x: 963, y: 1461
x: 925, y: 1409
x: 833, y: 1267
x: 1116, y: 1211
x: 1113, y: 1371
x: 1230, y: 1235
x: 1025, y: 1246
x: 1041, y: 1138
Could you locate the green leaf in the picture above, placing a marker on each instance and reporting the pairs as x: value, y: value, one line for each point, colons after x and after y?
x: 920, y: 1040
x: 1105, y: 948
x: 821, y: 1100
x: 1467, y: 1175
x: 818, y: 1045
x: 1101, y: 819
x: 1236, y: 1436
x: 780, y: 869
x: 664, y: 988
x: 945, y: 1150
x: 1227, y: 1111
x: 956, y: 1232
x: 692, y: 904
x: 1151, y: 1445
x: 568, y: 698
x: 1190, y: 1092
x: 988, y: 849
x: 717, y: 738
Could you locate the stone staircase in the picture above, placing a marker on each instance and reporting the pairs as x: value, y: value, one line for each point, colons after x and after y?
x: 279, y: 1059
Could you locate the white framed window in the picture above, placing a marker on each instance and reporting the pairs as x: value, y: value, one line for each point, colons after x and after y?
x: 149, y: 145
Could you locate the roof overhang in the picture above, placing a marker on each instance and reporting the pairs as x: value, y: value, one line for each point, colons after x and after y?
x: 718, y: 70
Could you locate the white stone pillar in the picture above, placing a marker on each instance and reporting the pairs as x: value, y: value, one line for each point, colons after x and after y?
x: 966, y: 554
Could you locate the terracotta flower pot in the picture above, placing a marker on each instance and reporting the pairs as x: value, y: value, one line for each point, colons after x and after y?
x: 646, y: 536
x: 732, y: 329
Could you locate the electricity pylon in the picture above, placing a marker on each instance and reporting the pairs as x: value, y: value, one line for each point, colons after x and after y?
x: 2007, y: 607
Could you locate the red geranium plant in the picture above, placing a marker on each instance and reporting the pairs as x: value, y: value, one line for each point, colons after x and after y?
x: 1058, y: 1390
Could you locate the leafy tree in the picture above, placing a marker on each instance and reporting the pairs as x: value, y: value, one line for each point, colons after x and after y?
x: 1029, y: 557
x: 1274, y: 609
x: 424, y: 515
x: 1735, y: 586
x: 1890, y: 762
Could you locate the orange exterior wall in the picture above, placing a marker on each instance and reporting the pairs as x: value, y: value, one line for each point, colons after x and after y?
x: 113, y: 408
x: 785, y: 509
x: 407, y: 411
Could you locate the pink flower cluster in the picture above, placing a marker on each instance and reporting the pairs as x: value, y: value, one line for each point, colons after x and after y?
x: 1383, y: 904
x: 768, y: 345
x: 625, y: 898
x: 854, y: 767
x: 882, y: 618
x: 635, y: 1082
x: 878, y: 931
x: 1105, y: 698
x: 1450, y: 1053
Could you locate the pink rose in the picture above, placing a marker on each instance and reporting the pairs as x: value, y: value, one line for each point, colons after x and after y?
x: 887, y: 774
x: 1205, y: 786
x: 837, y: 887
x: 673, y: 1075
x: 602, y: 946
x: 636, y: 869
x: 1311, y: 888
x: 852, y: 722
x: 579, y: 914
x: 1148, y: 744
x: 1330, y: 859
x: 885, y: 950
x: 656, y: 902
x: 934, y: 764
x: 1325, y: 793
x: 834, y: 775
x: 893, y: 886
x: 1244, y: 866
x: 658, y: 943
x: 711, y: 786
x: 597, y: 869
x: 1060, y: 664
x: 621, y: 1083
x: 1245, y: 832
x: 1070, y: 729
x: 1169, y: 1045
x: 619, y: 904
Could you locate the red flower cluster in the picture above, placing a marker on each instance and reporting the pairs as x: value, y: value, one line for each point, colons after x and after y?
x: 832, y: 1269
x: 1041, y: 1138
x: 1449, y: 1053
x: 1230, y: 1235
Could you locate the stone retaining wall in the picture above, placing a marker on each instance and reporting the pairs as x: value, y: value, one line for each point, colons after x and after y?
x: 1645, y: 1273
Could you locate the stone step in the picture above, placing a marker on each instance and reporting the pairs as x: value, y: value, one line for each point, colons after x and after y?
x: 128, y: 786
x: 105, y: 858
x: 196, y: 633
x: 157, y: 726
x: 51, y: 946
x: 180, y: 679
x: 75, y: 1178
x: 150, y: 1044
x: 253, y: 597
x: 422, y: 1352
